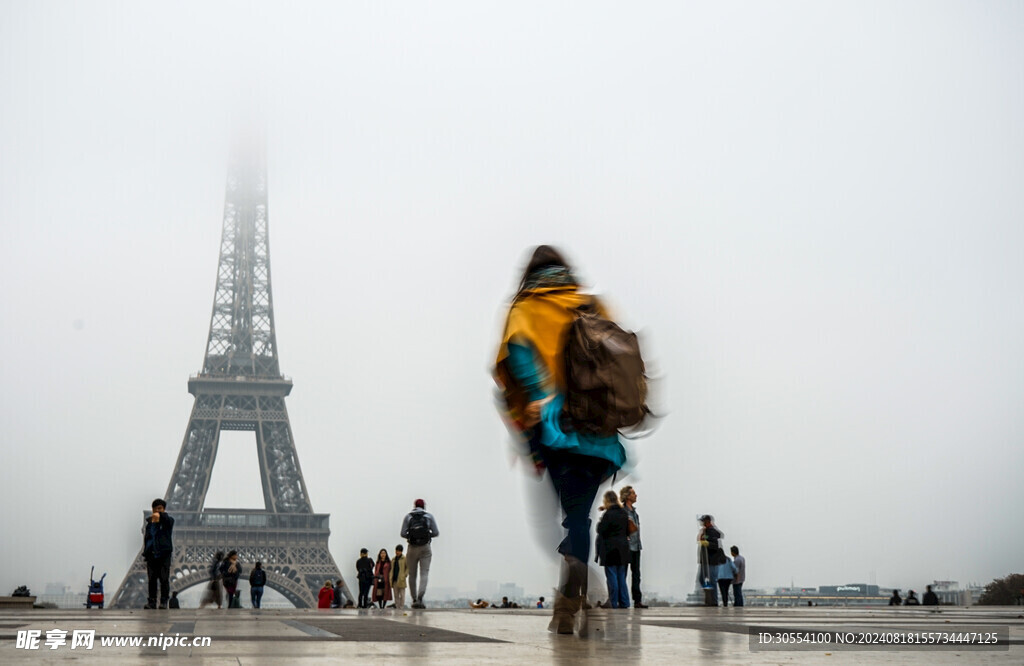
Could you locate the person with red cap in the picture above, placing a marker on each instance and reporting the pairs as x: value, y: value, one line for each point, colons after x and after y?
x: 419, y: 528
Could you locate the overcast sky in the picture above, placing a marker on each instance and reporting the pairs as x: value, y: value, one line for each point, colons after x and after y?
x: 813, y: 211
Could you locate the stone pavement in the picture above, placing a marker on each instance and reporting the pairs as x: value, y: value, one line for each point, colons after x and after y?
x: 451, y: 637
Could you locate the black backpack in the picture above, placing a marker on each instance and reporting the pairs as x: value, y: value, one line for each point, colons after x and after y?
x: 606, y: 381
x: 419, y: 530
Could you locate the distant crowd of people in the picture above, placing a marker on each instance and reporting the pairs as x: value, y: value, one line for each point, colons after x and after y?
x: 380, y: 581
x: 929, y: 599
x: 504, y: 603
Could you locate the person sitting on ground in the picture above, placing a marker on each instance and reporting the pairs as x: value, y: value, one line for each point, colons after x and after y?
x: 912, y: 599
x: 540, y: 603
x: 895, y: 599
x: 930, y: 598
x: 339, y: 594
x: 326, y: 595
x: 504, y: 602
x: 479, y: 603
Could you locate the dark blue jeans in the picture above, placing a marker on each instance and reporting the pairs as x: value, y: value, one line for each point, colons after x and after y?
x: 576, y: 479
x: 618, y: 591
x: 256, y: 593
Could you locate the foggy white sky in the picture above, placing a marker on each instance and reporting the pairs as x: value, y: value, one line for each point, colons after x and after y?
x: 813, y: 212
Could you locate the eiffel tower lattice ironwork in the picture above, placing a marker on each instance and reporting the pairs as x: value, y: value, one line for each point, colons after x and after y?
x: 241, y: 388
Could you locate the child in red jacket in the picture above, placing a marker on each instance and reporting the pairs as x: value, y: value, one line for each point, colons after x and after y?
x: 326, y: 595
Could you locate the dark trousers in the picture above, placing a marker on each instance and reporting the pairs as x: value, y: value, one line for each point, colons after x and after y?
x: 364, y: 592
x: 737, y: 594
x: 159, y: 571
x: 256, y: 594
x: 634, y: 574
x: 576, y: 479
x: 723, y: 587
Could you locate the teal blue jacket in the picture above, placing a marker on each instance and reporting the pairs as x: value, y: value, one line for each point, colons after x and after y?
x: 523, y: 366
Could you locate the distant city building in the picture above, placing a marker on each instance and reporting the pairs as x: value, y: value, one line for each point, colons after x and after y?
x: 849, y: 594
x: 485, y: 589
x: 442, y: 593
x: 850, y: 589
x: 948, y: 592
x: 510, y: 590
x: 678, y: 592
x: 57, y: 589
x: 62, y: 596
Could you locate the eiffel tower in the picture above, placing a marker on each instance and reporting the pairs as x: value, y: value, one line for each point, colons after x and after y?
x: 241, y: 388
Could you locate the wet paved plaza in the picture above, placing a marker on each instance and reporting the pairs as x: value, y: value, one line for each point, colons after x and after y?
x: 654, y: 636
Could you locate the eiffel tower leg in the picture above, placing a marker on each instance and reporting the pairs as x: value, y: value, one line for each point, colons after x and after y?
x: 134, y: 589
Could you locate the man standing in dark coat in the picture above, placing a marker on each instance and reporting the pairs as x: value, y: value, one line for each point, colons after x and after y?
x: 157, y: 549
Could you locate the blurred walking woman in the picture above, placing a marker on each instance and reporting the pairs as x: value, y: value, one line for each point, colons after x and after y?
x: 382, y: 578
x: 212, y: 595
x: 613, y: 549
x: 530, y: 371
x: 231, y: 570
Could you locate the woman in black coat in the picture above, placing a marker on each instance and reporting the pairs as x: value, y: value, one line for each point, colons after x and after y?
x: 613, y: 549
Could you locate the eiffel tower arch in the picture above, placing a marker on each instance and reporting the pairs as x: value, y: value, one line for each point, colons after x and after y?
x: 241, y: 388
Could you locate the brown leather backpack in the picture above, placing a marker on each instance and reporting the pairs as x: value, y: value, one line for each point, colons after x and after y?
x: 606, y: 383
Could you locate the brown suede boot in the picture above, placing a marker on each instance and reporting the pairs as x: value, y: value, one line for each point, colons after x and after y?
x: 563, y: 619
